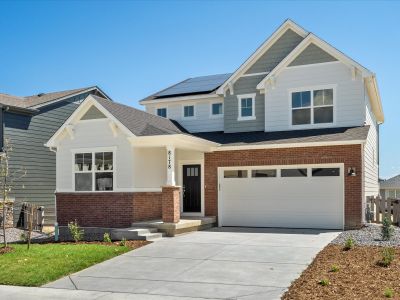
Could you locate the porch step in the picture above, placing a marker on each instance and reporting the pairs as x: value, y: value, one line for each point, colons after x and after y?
x: 134, y: 233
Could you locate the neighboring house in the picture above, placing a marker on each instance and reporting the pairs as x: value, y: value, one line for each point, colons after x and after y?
x: 287, y: 140
x: 390, y: 188
x: 28, y: 123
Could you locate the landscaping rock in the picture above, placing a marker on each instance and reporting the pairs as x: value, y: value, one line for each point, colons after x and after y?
x: 14, y: 235
x: 370, y: 235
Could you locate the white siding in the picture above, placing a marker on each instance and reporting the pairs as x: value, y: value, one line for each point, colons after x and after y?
x: 371, y: 168
x: 350, y: 105
x: 203, y: 120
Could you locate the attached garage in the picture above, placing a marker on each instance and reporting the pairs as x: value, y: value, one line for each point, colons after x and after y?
x: 301, y: 196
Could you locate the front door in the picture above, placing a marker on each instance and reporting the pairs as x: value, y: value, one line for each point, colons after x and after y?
x: 191, y: 188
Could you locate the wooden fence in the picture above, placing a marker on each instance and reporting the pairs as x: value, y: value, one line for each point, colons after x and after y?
x: 378, y: 208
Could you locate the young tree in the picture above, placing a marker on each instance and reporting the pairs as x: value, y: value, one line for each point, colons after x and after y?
x: 8, y: 180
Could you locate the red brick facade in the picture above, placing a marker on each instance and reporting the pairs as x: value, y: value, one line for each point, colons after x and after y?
x: 350, y: 155
x: 114, y: 210
x: 170, y: 204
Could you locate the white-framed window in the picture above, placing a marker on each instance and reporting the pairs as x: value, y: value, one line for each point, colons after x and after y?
x: 217, y: 109
x: 162, y: 112
x: 93, y: 171
x: 188, y: 111
x: 246, y: 107
x: 312, y: 106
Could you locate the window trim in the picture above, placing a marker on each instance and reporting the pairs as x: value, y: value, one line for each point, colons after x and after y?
x: 311, y: 107
x: 253, y: 102
x: 166, y: 111
x: 194, y: 111
x: 92, y: 151
x: 212, y: 116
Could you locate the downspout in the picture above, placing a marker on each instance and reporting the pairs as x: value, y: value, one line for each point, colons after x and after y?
x: 56, y: 232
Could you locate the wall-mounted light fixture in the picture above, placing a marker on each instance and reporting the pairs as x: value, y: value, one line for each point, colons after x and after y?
x: 351, y: 171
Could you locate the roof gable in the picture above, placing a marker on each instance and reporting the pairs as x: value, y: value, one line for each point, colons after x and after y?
x: 312, y: 54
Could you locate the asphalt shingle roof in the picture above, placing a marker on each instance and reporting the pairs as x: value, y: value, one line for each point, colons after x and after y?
x: 139, y: 122
x: 286, y: 137
x: 393, y: 182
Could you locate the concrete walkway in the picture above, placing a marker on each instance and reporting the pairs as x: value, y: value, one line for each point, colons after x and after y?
x: 222, y: 263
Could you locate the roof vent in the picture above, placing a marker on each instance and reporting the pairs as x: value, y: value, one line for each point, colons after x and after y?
x: 40, y: 94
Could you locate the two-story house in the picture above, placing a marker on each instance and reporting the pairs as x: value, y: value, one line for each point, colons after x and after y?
x: 290, y: 139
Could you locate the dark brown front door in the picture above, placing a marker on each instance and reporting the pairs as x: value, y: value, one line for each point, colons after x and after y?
x: 191, y: 188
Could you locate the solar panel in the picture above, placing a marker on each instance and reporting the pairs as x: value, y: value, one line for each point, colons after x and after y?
x: 195, y: 85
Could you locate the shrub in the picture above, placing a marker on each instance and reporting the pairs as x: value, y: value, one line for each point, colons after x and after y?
x: 106, y: 238
x: 334, y: 268
x: 23, y: 237
x: 324, y: 282
x: 349, y: 244
x: 388, y: 255
x: 387, y: 229
x: 75, y: 231
x: 388, y: 293
x: 122, y: 243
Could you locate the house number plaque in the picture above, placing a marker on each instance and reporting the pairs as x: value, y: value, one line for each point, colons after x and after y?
x: 169, y: 159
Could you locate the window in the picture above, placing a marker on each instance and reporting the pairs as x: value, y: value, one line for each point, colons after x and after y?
x: 188, y: 111
x: 94, y: 171
x: 162, y: 112
x: 216, y: 109
x: 263, y: 173
x: 319, y: 172
x: 312, y: 107
x: 246, y: 107
x: 235, y: 174
x: 294, y: 173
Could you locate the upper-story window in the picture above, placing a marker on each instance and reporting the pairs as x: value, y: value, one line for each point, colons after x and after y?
x: 312, y: 107
x: 217, y: 109
x: 162, y: 112
x: 188, y: 111
x: 246, y: 107
x: 94, y: 171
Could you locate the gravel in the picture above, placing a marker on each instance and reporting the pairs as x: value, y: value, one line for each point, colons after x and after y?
x: 14, y: 235
x: 370, y: 235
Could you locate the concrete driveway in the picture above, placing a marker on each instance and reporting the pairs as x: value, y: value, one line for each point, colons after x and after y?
x: 222, y: 263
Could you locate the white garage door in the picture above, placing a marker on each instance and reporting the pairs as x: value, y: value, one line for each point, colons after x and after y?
x: 284, y: 196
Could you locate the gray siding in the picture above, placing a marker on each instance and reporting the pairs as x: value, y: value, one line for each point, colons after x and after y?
x: 245, y: 85
x: 312, y: 55
x: 93, y: 113
x: 28, y: 134
x: 278, y: 51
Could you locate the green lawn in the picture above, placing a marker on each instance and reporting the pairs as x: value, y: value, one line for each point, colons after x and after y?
x: 47, y: 262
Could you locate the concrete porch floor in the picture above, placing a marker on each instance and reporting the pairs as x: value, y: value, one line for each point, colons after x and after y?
x: 186, y: 224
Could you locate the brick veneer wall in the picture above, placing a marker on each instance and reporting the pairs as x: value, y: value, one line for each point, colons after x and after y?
x: 350, y: 155
x: 171, y: 204
x: 114, y: 210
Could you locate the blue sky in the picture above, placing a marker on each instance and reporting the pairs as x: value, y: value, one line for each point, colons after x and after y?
x: 132, y: 49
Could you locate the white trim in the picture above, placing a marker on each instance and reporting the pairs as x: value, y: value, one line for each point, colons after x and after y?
x: 176, y: 99
x: 71, y: 95
x: 119, y: 190
x: 219, y: 116
x: 255, y: 74
x: 287, y: 145
x: 311, y: 89
x: 314, y: 65
x: 278, y: 168
x: 253, y: 102
x: 288, y: 24
x: 181, y: 163
x: 194, y: 111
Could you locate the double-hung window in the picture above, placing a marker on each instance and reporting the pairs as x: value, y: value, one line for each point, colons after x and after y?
x: 217, y: 109
x: 312, y: 107
x: 162, y: 112
x: 188, y: 111
x: 94, y: 171
x: 246, y: 107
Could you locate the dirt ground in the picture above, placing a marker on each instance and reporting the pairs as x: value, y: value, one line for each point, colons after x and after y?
x: 359, y: 276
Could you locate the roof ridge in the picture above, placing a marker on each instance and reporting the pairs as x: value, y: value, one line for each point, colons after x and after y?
x: 63, y: 91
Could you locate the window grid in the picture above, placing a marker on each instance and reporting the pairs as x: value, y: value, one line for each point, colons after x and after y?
x: 188, y: 111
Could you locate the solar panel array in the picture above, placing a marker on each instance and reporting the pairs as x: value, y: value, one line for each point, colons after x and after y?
x: 196, y: 85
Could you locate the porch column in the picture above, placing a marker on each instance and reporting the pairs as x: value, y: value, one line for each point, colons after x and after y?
x: 170, y: 165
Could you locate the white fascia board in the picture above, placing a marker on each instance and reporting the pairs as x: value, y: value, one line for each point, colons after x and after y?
x: 177, y: 99
x: 288, y: 24
x: 288, y: 145
x: 375, y: 98
x: 79, y: 112
x: 312, y: 39
x: 72, y: 95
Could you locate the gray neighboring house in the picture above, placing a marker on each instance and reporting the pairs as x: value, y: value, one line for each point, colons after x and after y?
x: 390, y: 188
x: 28, y: 122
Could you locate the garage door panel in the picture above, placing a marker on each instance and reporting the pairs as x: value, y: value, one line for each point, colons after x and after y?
x: 303, y: 202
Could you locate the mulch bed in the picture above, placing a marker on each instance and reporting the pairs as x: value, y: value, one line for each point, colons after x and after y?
x: 4, y: 250
x: 359, y: 276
